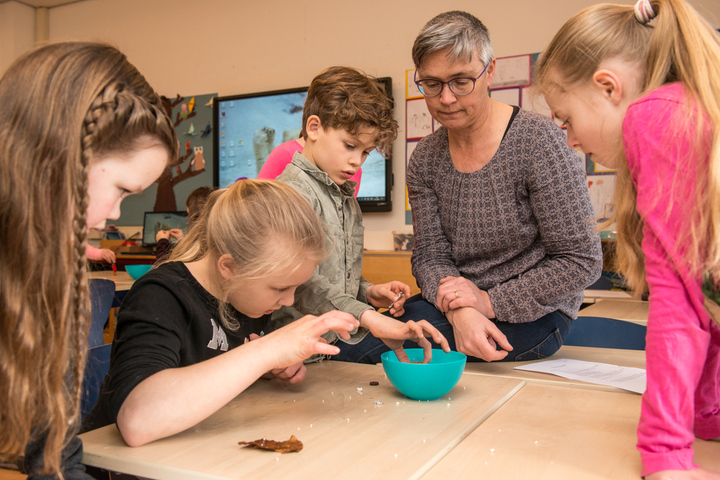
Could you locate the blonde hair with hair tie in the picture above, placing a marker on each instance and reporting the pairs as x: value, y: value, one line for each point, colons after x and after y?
x: 644, y: 11
x: 680, y: 47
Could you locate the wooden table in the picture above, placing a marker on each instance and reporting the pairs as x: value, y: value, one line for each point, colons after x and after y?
x: 554, y: 432
x: 630, y: 310
x: 123, y: 280
x: 346, y: 434
x: 592, y: 296
x: 624, y: 358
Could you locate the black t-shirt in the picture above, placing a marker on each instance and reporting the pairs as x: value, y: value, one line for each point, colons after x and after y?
x: 167, y: 320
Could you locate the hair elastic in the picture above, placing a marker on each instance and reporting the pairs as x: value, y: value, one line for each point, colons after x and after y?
x: 644, y: 12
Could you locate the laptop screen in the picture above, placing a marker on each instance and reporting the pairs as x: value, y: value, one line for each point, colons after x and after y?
x: 156, y: 221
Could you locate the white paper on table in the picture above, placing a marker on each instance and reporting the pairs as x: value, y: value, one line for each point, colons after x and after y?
x: 627, y: 378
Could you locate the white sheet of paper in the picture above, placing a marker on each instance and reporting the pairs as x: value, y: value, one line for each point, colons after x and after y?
x: 627, y: 378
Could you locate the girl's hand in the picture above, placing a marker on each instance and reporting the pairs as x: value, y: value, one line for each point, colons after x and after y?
x: 176, y: 233
x: 293, y: 374
x: 458, y: 292
x: 162, y: 235
x: 302, y: 338
x: 389, y: 295
x: 107, y: 255
x: 394, y: 333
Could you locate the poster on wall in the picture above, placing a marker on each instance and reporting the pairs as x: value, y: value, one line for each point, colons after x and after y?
x: 602, y: 190
x: 512, y: 71
x: 411, y: 88
x: 418, y: 120
x: 192, y: 116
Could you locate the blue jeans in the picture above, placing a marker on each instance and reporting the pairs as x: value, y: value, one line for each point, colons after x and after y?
x: 530, y: 341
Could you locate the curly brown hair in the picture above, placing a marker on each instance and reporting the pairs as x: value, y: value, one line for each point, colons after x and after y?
x: 345, y: 97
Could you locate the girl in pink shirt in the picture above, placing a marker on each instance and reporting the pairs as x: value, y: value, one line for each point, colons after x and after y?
x: 639, y: 91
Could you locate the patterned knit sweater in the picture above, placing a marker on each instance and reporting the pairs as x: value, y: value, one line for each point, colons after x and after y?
x: 521, y: 227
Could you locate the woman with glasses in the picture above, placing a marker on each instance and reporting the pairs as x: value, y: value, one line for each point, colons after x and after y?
x: 504, y: 229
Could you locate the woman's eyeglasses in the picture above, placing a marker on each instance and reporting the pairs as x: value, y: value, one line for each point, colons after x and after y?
x: 459, y: 86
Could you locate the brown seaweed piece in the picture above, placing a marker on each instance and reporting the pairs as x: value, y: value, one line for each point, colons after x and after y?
x: 291, y: 445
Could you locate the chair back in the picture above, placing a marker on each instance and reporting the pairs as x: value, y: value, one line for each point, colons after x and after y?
x: 102, y: 293
x: 606, y: 333
x: 96, y: 367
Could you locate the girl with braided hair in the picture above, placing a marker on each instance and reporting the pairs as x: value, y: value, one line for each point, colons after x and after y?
x: 81, y: 129
x: 639, y: 90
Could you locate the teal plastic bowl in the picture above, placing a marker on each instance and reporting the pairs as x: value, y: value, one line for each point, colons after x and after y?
x: 424, y: 381
x: 137, y: 271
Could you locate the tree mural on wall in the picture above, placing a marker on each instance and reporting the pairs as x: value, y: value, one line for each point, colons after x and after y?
x: 192, y: 158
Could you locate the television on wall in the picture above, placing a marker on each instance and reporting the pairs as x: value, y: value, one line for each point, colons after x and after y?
x: 248, y: 127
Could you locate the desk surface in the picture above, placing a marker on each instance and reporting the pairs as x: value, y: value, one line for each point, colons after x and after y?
x: 553, y: 432
x: 624, y: 358
x: 342, y: 428
x: 630, y: 310
x: 123, y: 280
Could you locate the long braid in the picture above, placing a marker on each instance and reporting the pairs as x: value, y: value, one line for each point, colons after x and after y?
x: 65, y: 106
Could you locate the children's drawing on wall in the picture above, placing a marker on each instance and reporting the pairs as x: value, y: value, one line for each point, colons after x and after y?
x: 191, y: 161
x: 602, y: 189
x: 418, y: 118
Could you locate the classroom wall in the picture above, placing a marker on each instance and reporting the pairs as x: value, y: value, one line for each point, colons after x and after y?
x: 239, y: 46
x: 17, y: 31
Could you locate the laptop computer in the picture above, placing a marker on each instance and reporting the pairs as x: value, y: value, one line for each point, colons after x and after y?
x: 156, y: 221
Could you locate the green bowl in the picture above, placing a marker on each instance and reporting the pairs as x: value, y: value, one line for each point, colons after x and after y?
x: 137, y: 271
x: 424, y: 381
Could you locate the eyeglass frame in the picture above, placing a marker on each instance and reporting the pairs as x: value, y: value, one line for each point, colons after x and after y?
x: 442, y: 84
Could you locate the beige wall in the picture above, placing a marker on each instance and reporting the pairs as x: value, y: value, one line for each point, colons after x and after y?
x: 17, y: 31
x: 240, y: 46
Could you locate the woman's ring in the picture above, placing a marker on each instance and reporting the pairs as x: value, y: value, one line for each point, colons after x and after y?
x: 457, y: 295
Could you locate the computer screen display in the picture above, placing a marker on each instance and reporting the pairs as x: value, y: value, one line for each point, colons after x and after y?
x: 248, y: 127
x: 156, y: 221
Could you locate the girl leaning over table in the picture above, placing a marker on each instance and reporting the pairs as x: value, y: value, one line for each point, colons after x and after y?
x: 80, y: 130
x: 639, y: 90
x: 189, y: 335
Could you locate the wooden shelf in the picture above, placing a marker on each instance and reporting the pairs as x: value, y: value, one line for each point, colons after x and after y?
x: 383, y: 266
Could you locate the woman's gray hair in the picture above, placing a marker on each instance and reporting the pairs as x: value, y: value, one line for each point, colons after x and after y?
x: 464, y: 34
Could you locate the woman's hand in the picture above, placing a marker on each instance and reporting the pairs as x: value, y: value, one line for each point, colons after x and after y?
x: 458, y: 292
x: 389, y: 295
x: 476, y: 335
x: 394, y: 333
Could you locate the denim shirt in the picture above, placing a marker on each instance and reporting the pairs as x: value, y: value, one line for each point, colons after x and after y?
x: 337, y: 283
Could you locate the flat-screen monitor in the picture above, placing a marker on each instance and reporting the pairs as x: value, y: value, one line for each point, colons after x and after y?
x: 156, y: 221
x: 248, y: 127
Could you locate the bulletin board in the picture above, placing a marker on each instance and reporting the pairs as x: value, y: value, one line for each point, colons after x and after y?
x: 192, y: 116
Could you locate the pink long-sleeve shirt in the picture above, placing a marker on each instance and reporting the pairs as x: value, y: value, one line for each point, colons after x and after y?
x: 282, y: 155
x: 683, y: 343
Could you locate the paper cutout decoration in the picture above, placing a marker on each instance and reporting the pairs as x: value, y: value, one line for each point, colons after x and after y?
x: 206, y: 131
